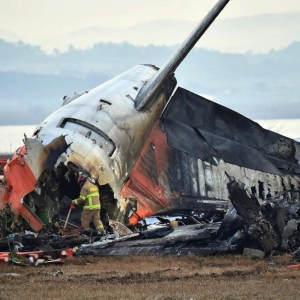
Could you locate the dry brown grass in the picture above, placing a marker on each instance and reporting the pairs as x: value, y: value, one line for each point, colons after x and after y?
x: 150, y: 277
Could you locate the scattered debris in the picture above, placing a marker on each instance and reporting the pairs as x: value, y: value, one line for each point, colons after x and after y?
x: 250, y: 227
x: 294, y: 266
x: 231, y: 185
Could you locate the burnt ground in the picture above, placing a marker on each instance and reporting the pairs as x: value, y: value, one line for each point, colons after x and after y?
x: 153, y: 277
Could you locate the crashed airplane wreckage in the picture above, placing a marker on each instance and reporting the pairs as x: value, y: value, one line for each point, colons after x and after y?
x: 154, y: 149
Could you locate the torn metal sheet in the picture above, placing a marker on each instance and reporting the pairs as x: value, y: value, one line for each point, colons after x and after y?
x: 40, y: 158
x: 22, y: 173
x: 206, y: 130
x: 197, y: 236
x: 250, y: 210
x: 166, y: 181
x: 249, y: 227
x: 155, y: 150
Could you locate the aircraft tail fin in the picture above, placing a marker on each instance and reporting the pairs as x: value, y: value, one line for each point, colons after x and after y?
x: 150, y: 89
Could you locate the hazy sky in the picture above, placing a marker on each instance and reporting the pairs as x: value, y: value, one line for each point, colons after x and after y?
x: 35, y: 18
x: 43, y: 20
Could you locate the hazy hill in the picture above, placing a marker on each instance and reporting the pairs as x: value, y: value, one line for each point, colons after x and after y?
x: 32, y: 83
x: 258, y: 33
x: 267, y: 31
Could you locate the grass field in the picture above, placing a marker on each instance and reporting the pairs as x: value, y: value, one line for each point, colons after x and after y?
x: 150, y: 277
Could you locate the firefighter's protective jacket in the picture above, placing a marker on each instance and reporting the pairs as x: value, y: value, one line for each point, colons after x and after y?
x: 89, y: 197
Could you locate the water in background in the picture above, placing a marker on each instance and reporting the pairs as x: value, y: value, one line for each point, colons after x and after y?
x: 11, y: 136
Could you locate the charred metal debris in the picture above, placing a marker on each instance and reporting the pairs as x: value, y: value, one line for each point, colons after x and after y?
x: 214, y: 186
x: 251, y: 226
x: 216, y: 181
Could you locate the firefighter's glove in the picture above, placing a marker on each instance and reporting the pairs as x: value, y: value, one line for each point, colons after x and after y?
x: 72, y: 206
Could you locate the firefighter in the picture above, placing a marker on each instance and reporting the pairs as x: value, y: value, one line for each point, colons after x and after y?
x: 89, y: 198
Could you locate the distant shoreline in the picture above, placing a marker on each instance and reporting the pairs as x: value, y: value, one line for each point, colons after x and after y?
x: 11, y: 136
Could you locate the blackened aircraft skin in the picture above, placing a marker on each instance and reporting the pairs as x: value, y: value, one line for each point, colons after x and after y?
x: 149, y: 152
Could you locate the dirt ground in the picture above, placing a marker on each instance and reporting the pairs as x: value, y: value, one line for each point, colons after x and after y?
x: 152, y: 277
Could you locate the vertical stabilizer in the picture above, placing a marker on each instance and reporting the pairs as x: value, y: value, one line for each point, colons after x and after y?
x: 149, y: 90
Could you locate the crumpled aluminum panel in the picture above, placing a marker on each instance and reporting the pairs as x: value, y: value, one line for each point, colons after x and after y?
x: 194, y: 151
x: 204, y: 129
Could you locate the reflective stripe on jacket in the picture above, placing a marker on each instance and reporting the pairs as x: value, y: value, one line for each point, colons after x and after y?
x: 89, y: 196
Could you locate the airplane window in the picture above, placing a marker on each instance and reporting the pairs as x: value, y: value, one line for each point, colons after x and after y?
x: 91, y: 132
